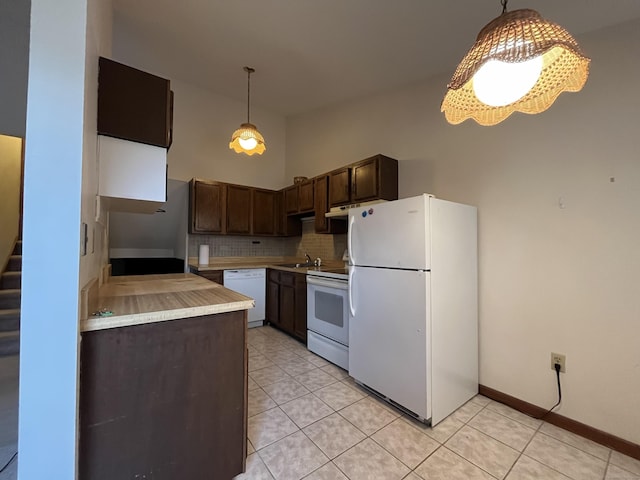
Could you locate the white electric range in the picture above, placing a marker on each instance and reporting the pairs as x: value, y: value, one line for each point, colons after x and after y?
x: 328, y: 314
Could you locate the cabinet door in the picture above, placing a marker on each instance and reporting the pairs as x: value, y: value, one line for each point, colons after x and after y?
x: 291, y: 199
x: 364, y: 180
x: 305, y: 196
x: 207, y: 207
x: 273, y: 297
x: 133, y: 105
x: 287, y: 301
x: 264, y: 212
x: 238, y: 210
x: 213, y: 275
x: 339, y: 187
x: 287, y: 307
x: 300, y: 316
x: 321, y: 203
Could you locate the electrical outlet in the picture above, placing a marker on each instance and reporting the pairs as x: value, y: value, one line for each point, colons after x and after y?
x: 558, y: 358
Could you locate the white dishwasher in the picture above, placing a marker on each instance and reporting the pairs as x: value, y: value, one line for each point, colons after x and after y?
x: 252, y: 283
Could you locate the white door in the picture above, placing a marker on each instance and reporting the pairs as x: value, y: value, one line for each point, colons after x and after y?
x: 392, y: 234
x: 389, y: 331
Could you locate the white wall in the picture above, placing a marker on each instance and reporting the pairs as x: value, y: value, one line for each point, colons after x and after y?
x: 14, y: 65
x: 202, y: 127
x: 60, y: 161
x: 161, y: 234
x: 558, y: 239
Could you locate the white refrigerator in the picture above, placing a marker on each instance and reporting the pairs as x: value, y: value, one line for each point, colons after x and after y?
x: 413, y: 312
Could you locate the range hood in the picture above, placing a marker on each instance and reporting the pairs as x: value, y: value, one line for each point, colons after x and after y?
x: 343, y: 210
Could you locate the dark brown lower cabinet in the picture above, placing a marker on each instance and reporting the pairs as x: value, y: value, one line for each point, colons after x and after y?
x: 165, y: 400
x: 287, y: 302
x: 213, y: 275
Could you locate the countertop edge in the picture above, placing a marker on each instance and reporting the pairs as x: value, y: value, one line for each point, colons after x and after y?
x: 103, y: 323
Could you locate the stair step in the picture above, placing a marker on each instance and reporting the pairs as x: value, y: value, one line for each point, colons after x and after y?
x: 10, y: 298
x: 10, y: 280
x: 17, y: 249
x: 15, y: 263
x: 9, y: 319
x: 9, y: 343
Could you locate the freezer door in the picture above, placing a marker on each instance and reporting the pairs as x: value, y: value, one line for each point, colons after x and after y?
x: 392, y: 234
x: 389, y: 326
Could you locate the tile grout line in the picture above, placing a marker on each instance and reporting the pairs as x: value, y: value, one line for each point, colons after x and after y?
x: 520, y: 454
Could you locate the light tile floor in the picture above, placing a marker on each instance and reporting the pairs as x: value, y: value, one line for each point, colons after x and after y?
x: 309, y: 419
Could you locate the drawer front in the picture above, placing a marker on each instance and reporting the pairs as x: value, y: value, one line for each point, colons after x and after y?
x: 274, y: 276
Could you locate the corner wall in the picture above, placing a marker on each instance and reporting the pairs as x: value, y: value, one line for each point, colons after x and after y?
x: 558, y: 198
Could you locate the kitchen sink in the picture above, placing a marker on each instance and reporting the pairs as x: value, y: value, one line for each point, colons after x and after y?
x: 294, y: 265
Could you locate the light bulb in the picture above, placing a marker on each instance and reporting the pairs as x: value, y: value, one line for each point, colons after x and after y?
x: 248, y: 143
x: 500, y: 83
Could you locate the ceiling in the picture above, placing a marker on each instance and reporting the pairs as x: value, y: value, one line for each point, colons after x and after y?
x: 309, y: 54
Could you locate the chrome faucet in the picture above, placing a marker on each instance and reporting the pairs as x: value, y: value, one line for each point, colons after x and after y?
x: 309, y: 261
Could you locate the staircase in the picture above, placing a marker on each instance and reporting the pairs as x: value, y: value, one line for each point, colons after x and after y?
x: 10, y: 283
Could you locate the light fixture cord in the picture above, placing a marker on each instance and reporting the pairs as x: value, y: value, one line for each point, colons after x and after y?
x: 248, y: 94
x: 504, y: 5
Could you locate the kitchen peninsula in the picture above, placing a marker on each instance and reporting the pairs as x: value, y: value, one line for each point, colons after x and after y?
x: 163, y: 380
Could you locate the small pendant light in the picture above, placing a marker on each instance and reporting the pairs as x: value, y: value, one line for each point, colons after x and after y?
x: 247, y: 139
x: 519, y: 62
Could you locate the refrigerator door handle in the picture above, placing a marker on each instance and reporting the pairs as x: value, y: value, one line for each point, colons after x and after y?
x: 351, y: 309
x: 349, y: 246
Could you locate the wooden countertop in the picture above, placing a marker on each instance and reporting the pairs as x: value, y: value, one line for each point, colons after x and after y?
x: 139, y: 299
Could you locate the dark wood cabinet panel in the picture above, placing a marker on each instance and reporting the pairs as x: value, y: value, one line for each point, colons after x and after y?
x: 213, y: 275
x: 321, y: 202
x: 273, y: 298
x: 134, y: 105
x: 165, y: 399
x: 287, y: 307
x: 291, y: 199
x: 364, y: 181
x: 238, y: 210
x: 300, y: 313
x: 305, y: 196
x: 339, y: 187
x: 374, y: 178
x: 287, y: 302
x: 263, y: 212
x: 206, y: 204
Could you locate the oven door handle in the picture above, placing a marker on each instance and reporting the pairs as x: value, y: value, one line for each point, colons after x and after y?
x: 351, y: 274
x: 322, y: 282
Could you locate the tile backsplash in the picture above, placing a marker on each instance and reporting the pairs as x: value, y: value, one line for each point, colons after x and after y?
x: 327, y: 247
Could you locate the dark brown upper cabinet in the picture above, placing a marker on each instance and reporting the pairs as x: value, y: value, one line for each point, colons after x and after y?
x: 321, y: 202
x: 264, y: 212
x: 305, y: 196
x: 339, y: 187
x: 370, y: 179
x: 238, y: 209
x: 207, y: 207
x: 291, y: 199
x: 298, y: 198
x: 134, y: 105
x: 374, y: 178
